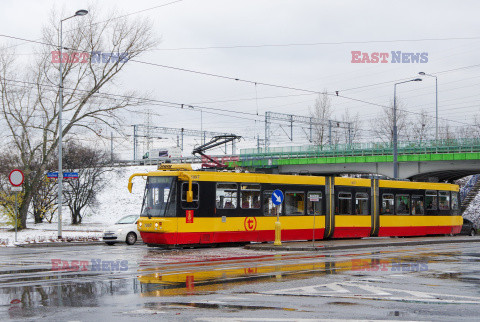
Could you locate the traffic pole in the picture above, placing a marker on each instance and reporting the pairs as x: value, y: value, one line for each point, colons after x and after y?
x: 16, y: 215
x: 278, y: 230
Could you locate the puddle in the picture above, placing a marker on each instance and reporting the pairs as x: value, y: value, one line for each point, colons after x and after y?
x: 213, y: 305
x: 342, y: 303
x: 396, y: 313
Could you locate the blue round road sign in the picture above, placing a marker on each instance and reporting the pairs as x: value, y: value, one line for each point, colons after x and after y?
x: 277, y: 197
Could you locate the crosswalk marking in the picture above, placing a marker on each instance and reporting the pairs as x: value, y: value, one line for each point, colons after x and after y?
x: 363, y: 290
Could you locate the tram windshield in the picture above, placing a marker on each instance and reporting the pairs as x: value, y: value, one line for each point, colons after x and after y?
x: 159, y: 198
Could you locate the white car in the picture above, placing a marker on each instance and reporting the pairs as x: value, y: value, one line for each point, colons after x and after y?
x: 124, y: 230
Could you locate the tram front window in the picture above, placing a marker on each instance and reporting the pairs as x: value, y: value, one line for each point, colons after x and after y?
x: 159, y: 198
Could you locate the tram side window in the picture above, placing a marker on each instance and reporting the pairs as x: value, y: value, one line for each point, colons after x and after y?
x: 344, y: 203
x: 454, y: 200
x: 314, y: 203
x: 403, y: 205
x: 444, y: 200
x: 431, y: 199
x: 195, y: 189
x: 361, y: 203
x: 226, y: 196
x: 417, y: 205
x: 269, y: 209
x: 294, y: 203
x: 250, y: 196
x: 387, y: 204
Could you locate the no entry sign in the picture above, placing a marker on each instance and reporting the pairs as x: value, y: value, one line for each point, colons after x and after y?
x: 16, y: 178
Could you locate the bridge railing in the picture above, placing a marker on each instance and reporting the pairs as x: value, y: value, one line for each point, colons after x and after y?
x: 363, y: 149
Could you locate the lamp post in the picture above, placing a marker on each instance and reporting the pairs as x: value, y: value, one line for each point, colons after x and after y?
x: 436, y: 102
x: 60, y: 127
x: 395, y: 138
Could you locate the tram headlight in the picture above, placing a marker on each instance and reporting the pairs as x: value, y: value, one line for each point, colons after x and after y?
x: 140, y: 224
x: 156, y: 225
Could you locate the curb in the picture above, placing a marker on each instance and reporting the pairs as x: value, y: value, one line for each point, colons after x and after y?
x: 60, y: 244
x: 358, y: 246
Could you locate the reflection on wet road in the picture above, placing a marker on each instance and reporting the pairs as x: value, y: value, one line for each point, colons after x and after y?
x: 136, y: 281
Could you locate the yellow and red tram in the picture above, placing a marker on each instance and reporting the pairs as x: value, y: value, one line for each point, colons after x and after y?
x: 186, y: 207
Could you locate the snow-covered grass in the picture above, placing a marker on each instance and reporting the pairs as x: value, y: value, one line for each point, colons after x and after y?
x: 114, y: 202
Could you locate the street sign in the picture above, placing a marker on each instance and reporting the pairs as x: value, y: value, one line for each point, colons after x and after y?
x: 70, y: 175
x: 16, y: 178
x: 277, y: 197
x: 66, y: 175
x: 52, y: 175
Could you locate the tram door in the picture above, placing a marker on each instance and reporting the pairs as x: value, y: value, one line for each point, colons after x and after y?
x: 350, y: 209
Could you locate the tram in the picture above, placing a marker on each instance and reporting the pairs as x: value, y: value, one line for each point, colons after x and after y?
x: 186, y: 207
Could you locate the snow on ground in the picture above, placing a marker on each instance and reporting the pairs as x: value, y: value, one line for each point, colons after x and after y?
x: 472, y: 213
x: 31, y: 236
x: 114, y: 202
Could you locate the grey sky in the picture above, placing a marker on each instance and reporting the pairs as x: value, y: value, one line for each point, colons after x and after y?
x: 216, y: 23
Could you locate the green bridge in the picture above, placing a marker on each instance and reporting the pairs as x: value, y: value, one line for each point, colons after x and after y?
x: 443, y: 159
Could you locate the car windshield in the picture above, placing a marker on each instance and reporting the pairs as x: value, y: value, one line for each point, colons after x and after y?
x: 127, y: 220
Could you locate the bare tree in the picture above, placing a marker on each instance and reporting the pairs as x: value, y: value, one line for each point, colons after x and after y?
x: 445, y: 131
x: 351, y: 133
x: 8, y: 162
x: 321, y: 111
x: 470, y: 131
x: 44, y: 200
x: 29, y: 94
x: 421, y: 128
x: 383, y: 124
x: 90, y: 165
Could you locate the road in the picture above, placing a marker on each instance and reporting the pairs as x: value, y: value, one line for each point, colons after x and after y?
x: 81, y: 283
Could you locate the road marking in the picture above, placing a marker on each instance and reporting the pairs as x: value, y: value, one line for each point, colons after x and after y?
x: 223, y: 319
x: 350, y: 290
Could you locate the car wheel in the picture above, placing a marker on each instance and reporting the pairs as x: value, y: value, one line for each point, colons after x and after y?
x: 109, y: 243
x: 131, y: 238
x: 473, y: 232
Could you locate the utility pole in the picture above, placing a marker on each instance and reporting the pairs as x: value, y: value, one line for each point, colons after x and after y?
x: 148, y: 130
x: 350, y: 135
x: 330, y: 133
x: 267, y: 131
x: 182, y: 130
x: 111, y: 147
x: 135, y: 142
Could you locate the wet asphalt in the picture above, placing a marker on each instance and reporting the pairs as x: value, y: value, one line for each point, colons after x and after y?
x: 129, y: 283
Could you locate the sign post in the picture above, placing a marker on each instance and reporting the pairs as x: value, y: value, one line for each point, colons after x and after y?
x: 277, y: 199
x: 66, y: 175
x: 16, y: 179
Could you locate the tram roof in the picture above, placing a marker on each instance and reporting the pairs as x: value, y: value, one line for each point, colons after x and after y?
x: 248, y: 177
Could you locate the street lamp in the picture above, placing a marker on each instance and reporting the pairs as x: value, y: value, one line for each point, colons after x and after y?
x: 395, y: 139
x: 81, y: 12
x: 436, y: 102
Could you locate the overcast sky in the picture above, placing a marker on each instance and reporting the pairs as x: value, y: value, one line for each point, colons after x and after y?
x: 305, y: 63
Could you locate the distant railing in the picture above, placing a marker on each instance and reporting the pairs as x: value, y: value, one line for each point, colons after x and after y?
x: 189, y: 159
x: 364, y: 149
